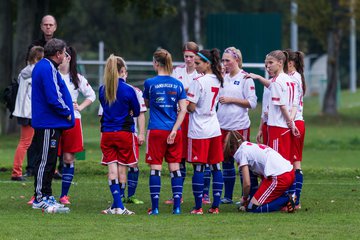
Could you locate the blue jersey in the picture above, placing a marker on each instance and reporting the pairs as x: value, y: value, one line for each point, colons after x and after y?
x: 117, y: 116
x: 163, y: 94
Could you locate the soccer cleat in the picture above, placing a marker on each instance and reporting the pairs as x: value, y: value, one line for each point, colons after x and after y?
x: 30, y: 202
x: 153, y: 211
x: 65, y: 200
x: 109, y: 211
x: 213, y: 210
x: 177, y: 211
x: 43, y: 204
x: 171, y: 201
x: 124, y: 211
x: 226, y: 201
x: 53, y: 201
x: 134, y: 200
x: 206, y: 199
x: 197, y: 211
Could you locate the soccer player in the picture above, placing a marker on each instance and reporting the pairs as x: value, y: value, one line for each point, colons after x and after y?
x: 296, y: 73
x: 235, y: 99
x: 205, y: 144
x: 163, y: 95
x: 120, y: 105
x: 71, y: 140
x: 277, y: 175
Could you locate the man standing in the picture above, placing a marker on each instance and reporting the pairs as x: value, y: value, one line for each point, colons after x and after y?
x: 52, y: 112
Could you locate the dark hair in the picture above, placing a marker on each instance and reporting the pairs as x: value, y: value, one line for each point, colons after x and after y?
x: 298, y: 58
x: 190, y: 46
x: 53, y: 46
x: 213, y: 56
x: 74, y: 78
x: 36, y: 53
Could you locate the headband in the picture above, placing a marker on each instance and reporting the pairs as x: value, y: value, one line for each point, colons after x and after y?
x: 203, y: 57
x: 232, y: 52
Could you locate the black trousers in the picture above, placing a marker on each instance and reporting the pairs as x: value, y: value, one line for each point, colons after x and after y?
x: 46, y: 147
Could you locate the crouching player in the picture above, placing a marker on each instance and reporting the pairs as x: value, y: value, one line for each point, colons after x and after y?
x: 277, y: 175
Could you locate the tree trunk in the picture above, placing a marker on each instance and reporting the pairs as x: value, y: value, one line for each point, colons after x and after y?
x: 197, y: 24
x: 184, y: 22
x: 6, y: 56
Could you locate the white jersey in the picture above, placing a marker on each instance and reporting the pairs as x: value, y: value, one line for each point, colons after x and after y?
x: 84, y: 87
x: 281, y: 88
x: 185, y: 78
x: 232, y: 116
x: 204, y: 92
x: 298, y: 95
x: 262, y: 160
x: 265, y: 104
x: 143, y: 108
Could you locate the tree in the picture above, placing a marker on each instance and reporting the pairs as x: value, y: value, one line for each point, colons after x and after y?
x: 332, y: 19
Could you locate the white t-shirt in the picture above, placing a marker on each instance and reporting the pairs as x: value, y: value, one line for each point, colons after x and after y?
x: 204, y: 92
x: 232, y: 116
x: 262, y: 160
x: 185, y: 78
x: 281, y: 94
x: 265, y: 104
x: 84, y: 87
x: 143, y: 108
x: 298, y: 95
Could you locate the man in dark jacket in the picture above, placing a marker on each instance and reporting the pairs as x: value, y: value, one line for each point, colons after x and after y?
x: 52, y: 112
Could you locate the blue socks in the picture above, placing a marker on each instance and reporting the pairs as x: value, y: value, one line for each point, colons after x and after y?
x: 132, y: 179
x: 217, y: 185
x: 198, y: 184
x: 229, y: 176
x: 115, y: 191
x: 275, y: 205
x: 183, y: 169
x: 254, y: 184
x: 207, y: 180
x: 155, y: 187
x: 122, y: 189
x: 67, y: 177
x: 299, y: 183
x: 177, y: 187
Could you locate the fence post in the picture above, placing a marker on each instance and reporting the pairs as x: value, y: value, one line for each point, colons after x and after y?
x: 101, y: 59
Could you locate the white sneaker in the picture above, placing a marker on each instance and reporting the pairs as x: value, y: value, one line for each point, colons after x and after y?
x: 124, y: 211
x: 53, y: 201
x: 109, y: 211
x: 43, y: 204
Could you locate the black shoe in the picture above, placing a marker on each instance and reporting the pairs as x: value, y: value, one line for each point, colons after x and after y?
x: 28, y: 174
x: 57, y: 176
x: 21, y: 178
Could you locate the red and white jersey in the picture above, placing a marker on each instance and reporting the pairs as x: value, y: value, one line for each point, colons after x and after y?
x: 262, y: 160
x: 84, y: 87
x: 232, y: 116
x: 298, y: 95
x: 183, y: 76
x: 143, y: 108
x: 203, y: 122
x: 281, y: 93
x: 265, y: 104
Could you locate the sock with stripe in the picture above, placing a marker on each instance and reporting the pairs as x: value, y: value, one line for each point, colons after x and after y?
x: 183, y: 169
x: 217, y: 185
x: 207, y: 180
x: 198, y: 184
x: 67, y: 177
x: 132, y: 179
x: 229, y: 176
x: 155, y: 187
x: 299, y: 183
x: 122, y: 189
x: 115, y: 191
x: 177, y: 187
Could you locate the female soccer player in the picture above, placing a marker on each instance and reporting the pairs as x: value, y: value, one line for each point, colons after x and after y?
x: 277, y: 174
x: 235, y: 99
x: 205, y: 144
x: 163, y: 94
x: 280, y: 125
x: 120, y: 105
x: 296, y: 73
x: 71, y: 140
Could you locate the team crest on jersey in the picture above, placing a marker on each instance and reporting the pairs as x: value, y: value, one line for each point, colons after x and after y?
x: 236, y: 82
x: 53, y: 143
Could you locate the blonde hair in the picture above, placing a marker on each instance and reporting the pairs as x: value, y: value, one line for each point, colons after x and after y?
x: 232, y: 142
x: 111, y: 74
x: 235, y: 53
x: 164, y: 59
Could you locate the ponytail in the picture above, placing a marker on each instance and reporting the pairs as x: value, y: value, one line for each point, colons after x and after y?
x: 111, y: 74
x: 299, y: 65
x: 164, y: 59
x: 213, y: 57
x: 232, y: 142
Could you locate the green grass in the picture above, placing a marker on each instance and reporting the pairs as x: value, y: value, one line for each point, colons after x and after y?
x: 330, y: 199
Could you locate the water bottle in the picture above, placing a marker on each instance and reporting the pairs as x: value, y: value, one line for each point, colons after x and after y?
x: 54, y: 209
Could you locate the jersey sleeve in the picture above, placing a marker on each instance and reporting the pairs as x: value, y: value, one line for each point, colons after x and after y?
x: 139, y: 95
x: 194, y: 91
x: 249, y: 92
x: 86, y: 89
x: 241, y: 157
x: 182, y: 92
x: 146, y: 93
x: 277, y: 94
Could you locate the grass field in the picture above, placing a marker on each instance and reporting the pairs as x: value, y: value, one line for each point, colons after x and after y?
x: 330, y: 199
